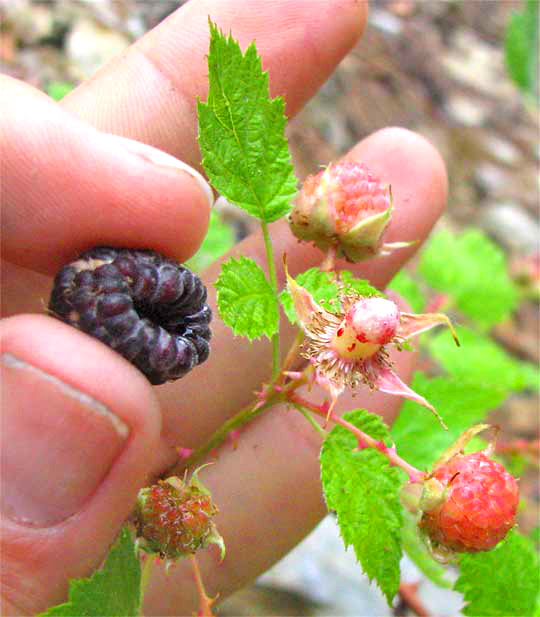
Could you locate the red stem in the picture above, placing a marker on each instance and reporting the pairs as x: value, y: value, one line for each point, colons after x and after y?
x: 205, y: 603
x: 415, y: 475
x: 409, y: 595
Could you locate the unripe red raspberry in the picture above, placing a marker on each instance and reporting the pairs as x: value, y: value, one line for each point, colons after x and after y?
x: 469, y: 503
x: 174, y: 519
x: 344, y: 207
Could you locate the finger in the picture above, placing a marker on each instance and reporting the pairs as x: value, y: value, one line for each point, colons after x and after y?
x: 67, y: 187
x: 150, y: 92
x: 75, y: 450
x: 267, y: 487
x: 236, y: 369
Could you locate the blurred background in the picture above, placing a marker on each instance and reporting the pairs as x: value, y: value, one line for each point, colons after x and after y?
x: 463, y: 73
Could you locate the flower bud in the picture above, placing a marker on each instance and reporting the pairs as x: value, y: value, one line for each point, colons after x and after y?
x: 344, y: 208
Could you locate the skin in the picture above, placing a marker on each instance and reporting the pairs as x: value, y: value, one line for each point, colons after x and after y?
x: 66, y: 188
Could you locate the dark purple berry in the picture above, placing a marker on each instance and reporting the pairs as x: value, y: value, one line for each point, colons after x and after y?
x: 150, y: 309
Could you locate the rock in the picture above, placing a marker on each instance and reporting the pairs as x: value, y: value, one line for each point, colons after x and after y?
x: 31, y: 22
x: 489, y: 179
x: 512, y: 227
x: 501, y: 149
x: 321, y: 569
x: 89, y: 46
x: 385, y: 21
x: 466, y: 111
x: 477, y: 65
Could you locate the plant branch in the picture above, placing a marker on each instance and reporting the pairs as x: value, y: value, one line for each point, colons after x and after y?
x: 276, y: 356
x: 365, y: 441
x: 246, y: 414
x: 205, y: 602
x: 274, y: 395
x: 307, y: 415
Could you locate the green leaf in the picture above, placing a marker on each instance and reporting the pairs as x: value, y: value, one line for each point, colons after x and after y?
x: 218, y: 240
x: 242, y: 132
x: 418, y: 436
x: 246, y: 301
x: 522, y: 50
x: 473, y: 271
x: 364, y: 491
x: 417, y: 551
x: 57, y: 90
x: 113, y: 590
x: 326, y: 291
x: 409, y: 289
x: 481, y: 360
x: 503, y: 582
x: 358, y: 286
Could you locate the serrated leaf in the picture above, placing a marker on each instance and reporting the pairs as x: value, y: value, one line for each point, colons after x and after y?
x: 362, y: 488
x: 245, y: 299
x: 503, y: 582
x: 242, y: 132
x: 473, y: 270
x: 112, y: 590
x: 417, y: 551
x: 418, y: 436
x: 481, y: 360
x: 409, y: 289
x: 219, y: 239
x: 325, y: 290
x: 359, y: 286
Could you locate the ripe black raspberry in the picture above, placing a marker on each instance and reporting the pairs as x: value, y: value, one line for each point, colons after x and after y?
x: 150, y: 309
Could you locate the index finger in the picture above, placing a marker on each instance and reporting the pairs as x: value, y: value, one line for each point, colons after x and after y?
x: 150, y: 92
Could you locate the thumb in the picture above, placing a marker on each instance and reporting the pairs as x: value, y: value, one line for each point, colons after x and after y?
x: 79, y: 428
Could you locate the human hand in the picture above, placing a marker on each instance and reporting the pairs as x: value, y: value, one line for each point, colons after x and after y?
x: 69, y: 399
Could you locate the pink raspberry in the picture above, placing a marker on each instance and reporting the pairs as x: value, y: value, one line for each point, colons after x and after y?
x: 469, y: 504
x: 374, y: 320
x: 344, y: 207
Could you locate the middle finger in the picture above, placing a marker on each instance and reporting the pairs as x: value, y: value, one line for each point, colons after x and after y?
x: 150, y: 92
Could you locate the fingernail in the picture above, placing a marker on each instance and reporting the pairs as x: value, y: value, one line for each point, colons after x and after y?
x: 162, y: 159
x: 58, y: 445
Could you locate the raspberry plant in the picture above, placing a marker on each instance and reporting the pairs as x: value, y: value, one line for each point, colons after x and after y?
x: 369, y: 471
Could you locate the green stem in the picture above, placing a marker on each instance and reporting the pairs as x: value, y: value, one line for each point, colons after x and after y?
x: 276, y: 394
x: 311, y: 420
x: 276, y: 356
x: 145, y: 577
x: 218, y: 437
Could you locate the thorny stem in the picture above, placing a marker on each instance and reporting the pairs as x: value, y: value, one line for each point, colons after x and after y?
x: 329, y: 262
x: 276, y: 356
x: 415, y: 475
x: 274, y: 395
x: 205, y: 602
x: 307, y: 415
x: 246, y: 414
x: 292, y: 354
